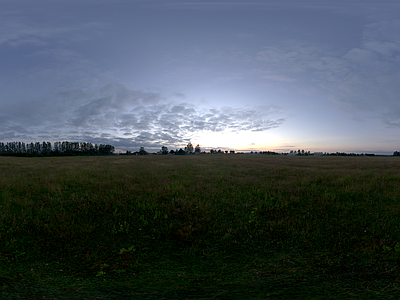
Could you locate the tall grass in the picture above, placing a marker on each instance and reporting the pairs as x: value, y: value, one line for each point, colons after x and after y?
x: 234, y: 221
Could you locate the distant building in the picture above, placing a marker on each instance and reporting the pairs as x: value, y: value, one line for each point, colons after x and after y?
x: 318, y: 153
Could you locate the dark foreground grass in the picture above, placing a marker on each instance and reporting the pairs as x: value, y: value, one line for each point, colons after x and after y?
x: 200, y: 227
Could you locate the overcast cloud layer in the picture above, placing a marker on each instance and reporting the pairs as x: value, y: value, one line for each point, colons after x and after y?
x: 316, y: 75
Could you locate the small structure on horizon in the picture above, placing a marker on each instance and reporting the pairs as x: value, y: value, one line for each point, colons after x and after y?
x: 318, y: 153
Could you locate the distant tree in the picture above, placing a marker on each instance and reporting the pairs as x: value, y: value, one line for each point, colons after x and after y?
x: 164, y: 150
x: 212, y: 151
x: 60, y: 149
x: 298, y: 151
x: 302, y: 151
x: 142, y: 151
x: 23, y: 148
x: 172, y: 152
x: 180, y: 152
x: 226, y: 151
x: 106, y: 149
x: 46, y: 149
x: 396, y: 153
x: 189, y: 148
x: 197, y: 149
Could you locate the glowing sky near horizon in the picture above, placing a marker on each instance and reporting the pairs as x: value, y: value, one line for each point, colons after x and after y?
x: 243, y: 75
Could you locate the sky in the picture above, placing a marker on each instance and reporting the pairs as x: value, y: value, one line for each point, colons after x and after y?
x: 232, y: 75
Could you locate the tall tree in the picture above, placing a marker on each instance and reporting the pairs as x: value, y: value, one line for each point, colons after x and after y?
x: 189, y: 148
x: 142, y: 151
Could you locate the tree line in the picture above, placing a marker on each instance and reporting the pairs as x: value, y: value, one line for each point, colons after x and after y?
x: 83, y: 148
x: 59, y: 149
x: 189, y: 149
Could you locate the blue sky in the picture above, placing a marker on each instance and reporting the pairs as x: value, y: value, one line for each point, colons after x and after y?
x: 242, y: 75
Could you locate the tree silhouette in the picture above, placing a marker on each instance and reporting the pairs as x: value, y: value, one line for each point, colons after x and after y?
x: 180, y: 152
x: 142, y: 151
x: 60, y: 149
x: 189, y: 148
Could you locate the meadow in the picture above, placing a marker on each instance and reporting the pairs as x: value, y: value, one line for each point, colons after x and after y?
x: 200, y: 227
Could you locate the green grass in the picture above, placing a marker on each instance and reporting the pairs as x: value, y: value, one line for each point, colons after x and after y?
x: 199, y: 227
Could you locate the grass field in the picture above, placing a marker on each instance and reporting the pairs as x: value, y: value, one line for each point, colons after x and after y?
x: 200, y: 227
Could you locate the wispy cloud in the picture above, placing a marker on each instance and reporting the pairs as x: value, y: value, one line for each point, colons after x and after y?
x: 363, y: 78
x: 15, y: 32
x: 279, y: 78
x: 271, y: 4
x: 227, y: 78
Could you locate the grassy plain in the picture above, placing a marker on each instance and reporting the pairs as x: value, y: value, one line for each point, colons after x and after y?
x: 199, y: 227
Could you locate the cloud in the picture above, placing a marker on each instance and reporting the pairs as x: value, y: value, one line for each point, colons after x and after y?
x: 348, y: 7
x: 57, y: 53
x: 227, y: 78
x: 391, y: 118
x: 179, y: 96
x: 245, y: 35
x: 291, y: 56
x: 373, y: 70
x: 15, y: 32
x: 279, y: 78
x: 359, y: 79
x: 126, y: 118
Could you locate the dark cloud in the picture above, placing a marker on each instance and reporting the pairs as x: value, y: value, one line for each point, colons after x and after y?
x: 114, y: 112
